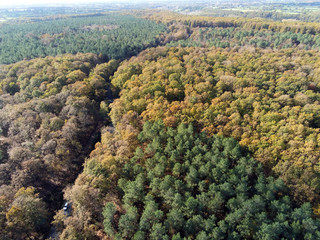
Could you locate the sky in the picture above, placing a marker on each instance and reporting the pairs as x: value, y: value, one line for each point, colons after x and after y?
x: 42, y: 2
x: 21, y: 3
x: 56, y: 2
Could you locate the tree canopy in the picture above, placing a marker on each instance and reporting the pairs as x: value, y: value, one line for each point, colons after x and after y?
x: 267, y: 100
x: 51, y: 110
x: 185, y: 185
x: 212, y: 135
x: 115, y: 36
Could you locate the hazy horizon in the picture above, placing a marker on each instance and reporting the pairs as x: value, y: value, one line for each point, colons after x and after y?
x: 23, y: 3
x: 30, y: 3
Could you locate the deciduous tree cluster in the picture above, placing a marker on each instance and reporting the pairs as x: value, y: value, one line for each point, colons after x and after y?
x: 50, y: 115
x: 267, y: 100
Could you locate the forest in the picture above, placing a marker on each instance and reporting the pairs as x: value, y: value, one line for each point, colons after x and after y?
x: 114, y: 36
x: 51, y: 109
x: 151, y: 124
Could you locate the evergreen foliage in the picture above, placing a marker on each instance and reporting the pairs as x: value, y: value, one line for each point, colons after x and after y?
x: 267, y: 100
x: 115, y: 36
x: 188, y: 186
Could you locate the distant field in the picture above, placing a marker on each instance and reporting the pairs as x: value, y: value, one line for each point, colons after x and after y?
x: 305, y: 12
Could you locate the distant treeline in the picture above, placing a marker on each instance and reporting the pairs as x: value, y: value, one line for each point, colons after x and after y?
x: 314, y: 16
x: 113, y: 36
x: 225, y: 32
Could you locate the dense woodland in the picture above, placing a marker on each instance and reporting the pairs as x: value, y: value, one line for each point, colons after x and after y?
x: 186, y: 185
x: 50, y: 114
x: 212, y: 135
x: 267, y: 100
x: 225, y: 32
x: 114, y: 36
